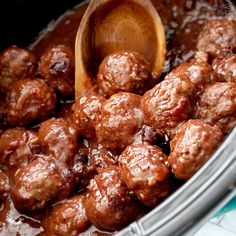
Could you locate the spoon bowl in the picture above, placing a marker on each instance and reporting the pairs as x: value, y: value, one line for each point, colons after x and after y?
x: 114, y: 25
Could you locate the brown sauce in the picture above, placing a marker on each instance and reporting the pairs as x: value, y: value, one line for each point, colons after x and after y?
x: 182, y: 19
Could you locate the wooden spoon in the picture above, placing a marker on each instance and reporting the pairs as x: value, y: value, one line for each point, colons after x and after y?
x: 112, y: 25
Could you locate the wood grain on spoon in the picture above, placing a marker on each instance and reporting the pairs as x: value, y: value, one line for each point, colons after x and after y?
x: 113, y: 25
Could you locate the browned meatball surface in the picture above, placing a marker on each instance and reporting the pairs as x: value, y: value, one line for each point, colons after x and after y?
x: 191, y: 147
x: 67, y: 218
x: 110, y: 206
x: 101, y: 158
x: 59, y: 139
x: 44, y: 180
x: 15, y: 63
x: 225, y: 68
x: 17, y: 147
x: 218, y: 37
x: 87, y: 111
x: 217, y: 106
x: 4, y: 185
x: 30, y: 101
x: 200, y: 73
x: 144, y: 171
x: 57, y: 67
x: 121, y: 118
x: 124, y: 71
x: 168, y: 104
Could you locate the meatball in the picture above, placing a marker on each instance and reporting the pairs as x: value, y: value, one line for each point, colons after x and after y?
x: 4, y: 186
x: 59, y: 139
x: 217, y: 106
x: 67, y: 218
x: 200, y: 73
x: 168, y: 104
x: 100, y: 158
x: 30, y: 101
x: 17, y: 147
x: 121, y: 118
x: 144, y: 171
x: 57, y: 67
x: 124, y: 71
x: 191, y: 147
x: 87, y: 111
x: 15, y: 63
x: 110, y: 206
x: 218, y: 37
x: 225, y: 68
x: 44, y: 180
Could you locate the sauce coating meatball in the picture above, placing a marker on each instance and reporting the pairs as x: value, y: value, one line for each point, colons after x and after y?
x: 168, y: 104
x: 218, y: 37
x: 57, y: 66
x: 144, y: 171
x: 59, y: 139
x: 87, y: 111
x: 30, y: 101
x: 67, y: 218
x: 191, y: 147
x: 4, y: 185
x: 44, y: 180
x: 198, y: 72
x: 110, y: 206
x: 121, y: 118
x: 15, y: 63
x: 17, y: 147
x: 217, y: 106
x: 124, y: 71
x: 101, y: 158
x: 225, y: 68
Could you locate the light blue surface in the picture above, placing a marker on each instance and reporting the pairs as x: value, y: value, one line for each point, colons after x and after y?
x: 229, y: 207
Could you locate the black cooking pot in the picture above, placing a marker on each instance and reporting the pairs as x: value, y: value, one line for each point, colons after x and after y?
x: 22, y: 20
x: 197, y: 200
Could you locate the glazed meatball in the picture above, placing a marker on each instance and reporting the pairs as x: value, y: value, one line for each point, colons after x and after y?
x: 67, y: 218
x: 100, y: 158
x: 225, y: 68
x: 218, y: 37
x: 30, y: 101
x: 17, y: 147
x: 124, y: 71
x: 87, y: 111
x: 15, y: 63
x: 168, y: 104
x: 144, y: 171
x: 217, y: 106
x: 59, y: 139
x: 4, y: 186
x: 121, y: 118
x: 44, y: 180
x: 198, y: 72
x: 57, y: 67
x: 191, y: 147
x: 110, y: 206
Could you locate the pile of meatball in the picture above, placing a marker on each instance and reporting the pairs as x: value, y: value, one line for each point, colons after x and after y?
x: 97, y: 161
